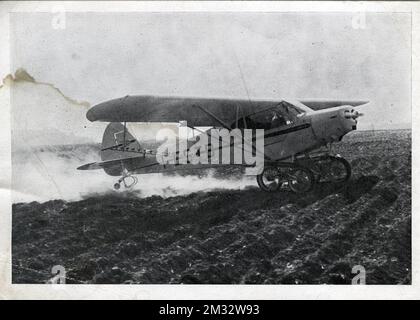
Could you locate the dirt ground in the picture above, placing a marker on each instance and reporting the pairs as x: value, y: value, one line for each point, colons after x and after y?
x: 233, y: 236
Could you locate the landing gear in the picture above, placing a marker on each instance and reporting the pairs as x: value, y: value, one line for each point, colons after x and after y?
x: 338, y: 170
x: 127, y: 179
x: 301, y: 180
x: 328, y: 168
x: 298, y: 178
x: 301, y: 175
x: 270, y: 179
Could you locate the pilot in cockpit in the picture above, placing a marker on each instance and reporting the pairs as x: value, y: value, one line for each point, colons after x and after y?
x: 277, y: 120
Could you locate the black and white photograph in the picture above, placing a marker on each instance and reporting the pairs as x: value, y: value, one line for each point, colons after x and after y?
x: 209, y: 147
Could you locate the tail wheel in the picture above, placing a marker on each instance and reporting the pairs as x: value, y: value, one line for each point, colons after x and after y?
x: 128, y: 181
x: 269, y: 180
x: 301, y: 179
x: 339, y: 170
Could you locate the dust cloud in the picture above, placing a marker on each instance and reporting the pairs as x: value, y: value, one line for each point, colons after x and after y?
x: 48, y: 173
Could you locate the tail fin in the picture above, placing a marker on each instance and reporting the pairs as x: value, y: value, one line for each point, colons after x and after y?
x: 118, y: 143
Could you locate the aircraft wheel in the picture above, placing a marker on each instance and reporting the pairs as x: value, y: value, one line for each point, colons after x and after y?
x: 269, y: 180
x: 316, y: 167
x: 330, y: 169
x: 339, y: 170
x: 301, y: 180
x: 117, y: 186
x: 317, y: 172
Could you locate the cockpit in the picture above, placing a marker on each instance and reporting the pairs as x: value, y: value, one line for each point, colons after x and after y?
x: 279, y: 115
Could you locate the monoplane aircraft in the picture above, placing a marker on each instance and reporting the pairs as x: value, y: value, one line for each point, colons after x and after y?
x: 295, y: 134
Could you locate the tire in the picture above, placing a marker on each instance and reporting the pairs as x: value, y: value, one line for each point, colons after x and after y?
x: 302, y: 175
x: 344, y: 165
x: 264, y: 178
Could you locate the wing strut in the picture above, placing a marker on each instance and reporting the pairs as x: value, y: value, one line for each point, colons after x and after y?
x: 226, y: 126
x: 125, y: 129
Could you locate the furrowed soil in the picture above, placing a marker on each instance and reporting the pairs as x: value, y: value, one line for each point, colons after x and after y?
x: 233, y: 236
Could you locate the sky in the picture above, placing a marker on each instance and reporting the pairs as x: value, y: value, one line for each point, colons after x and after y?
x: 101, y: 56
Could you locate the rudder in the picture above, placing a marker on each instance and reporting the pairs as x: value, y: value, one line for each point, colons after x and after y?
x: 118, y: 143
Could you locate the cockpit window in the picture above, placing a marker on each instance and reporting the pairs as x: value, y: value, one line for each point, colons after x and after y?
x: 289, y: 109
x: 282, y: 114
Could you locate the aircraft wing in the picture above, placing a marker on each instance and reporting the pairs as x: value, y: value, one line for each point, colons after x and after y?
x: 326, y: 104
x: 196, y: 111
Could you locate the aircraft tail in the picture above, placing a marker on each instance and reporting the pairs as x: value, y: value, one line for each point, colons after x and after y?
x: 118, y: 144
x: 120, y: 152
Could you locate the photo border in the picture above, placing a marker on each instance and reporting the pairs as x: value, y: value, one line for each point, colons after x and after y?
x: 192, y: 292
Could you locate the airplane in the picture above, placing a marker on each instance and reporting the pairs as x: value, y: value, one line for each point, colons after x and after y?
x: 297, y: 136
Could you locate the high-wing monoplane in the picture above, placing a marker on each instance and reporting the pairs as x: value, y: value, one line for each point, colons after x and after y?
x: 296, y: 137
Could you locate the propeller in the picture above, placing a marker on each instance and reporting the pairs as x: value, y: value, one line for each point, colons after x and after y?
x: 353, y: 114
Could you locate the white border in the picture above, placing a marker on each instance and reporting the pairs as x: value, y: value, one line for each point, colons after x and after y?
x: 23, y: 291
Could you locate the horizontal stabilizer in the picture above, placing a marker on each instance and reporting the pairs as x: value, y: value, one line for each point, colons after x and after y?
x: 90, y: 166
x: 117, y: 166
